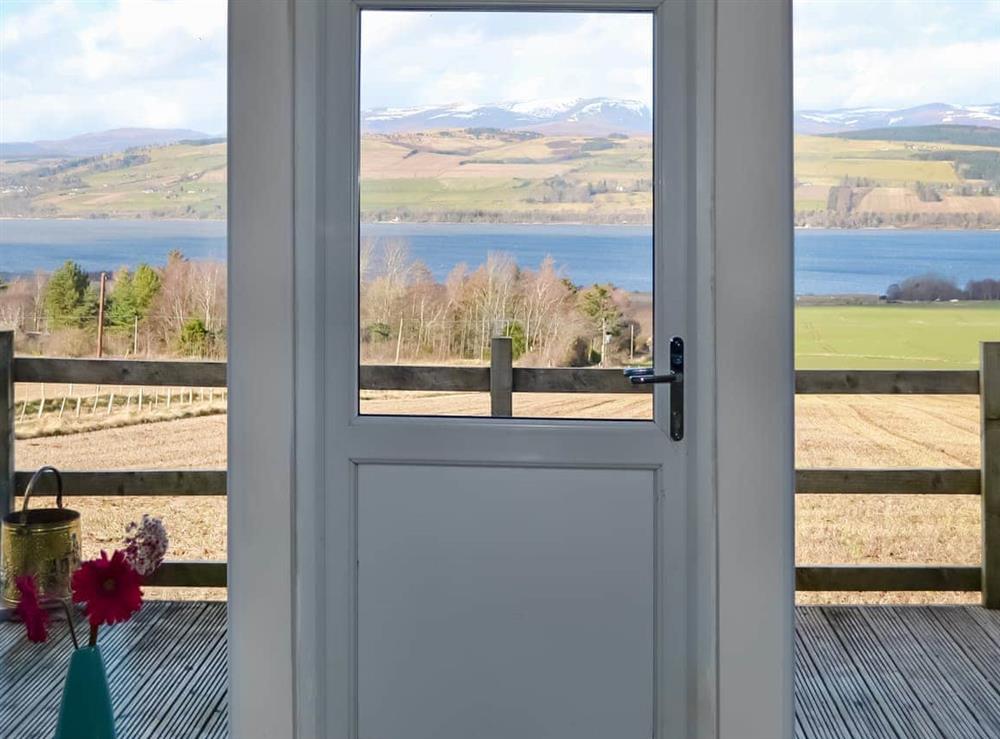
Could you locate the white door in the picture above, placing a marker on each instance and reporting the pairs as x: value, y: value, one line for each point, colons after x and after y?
x: 495, y: 578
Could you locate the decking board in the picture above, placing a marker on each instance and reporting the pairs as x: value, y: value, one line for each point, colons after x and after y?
x: 946, y: 706
x: 861, y: 673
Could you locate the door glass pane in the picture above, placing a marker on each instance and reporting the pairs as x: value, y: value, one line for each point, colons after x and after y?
x: 506, y: 208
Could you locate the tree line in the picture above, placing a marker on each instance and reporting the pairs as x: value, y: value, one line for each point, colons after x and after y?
x: 407, y: 314
x: 930, y: 287
x: 177, y: 309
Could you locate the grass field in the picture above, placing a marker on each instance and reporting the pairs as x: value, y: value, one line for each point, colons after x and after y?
x: 899, y: 336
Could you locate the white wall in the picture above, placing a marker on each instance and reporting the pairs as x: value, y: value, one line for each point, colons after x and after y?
x: 754, y: 299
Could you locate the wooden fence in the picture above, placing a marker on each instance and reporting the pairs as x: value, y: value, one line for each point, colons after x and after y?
x: 501, y: 380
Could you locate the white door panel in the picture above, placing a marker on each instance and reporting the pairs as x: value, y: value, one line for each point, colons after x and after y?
x: 499, y: 602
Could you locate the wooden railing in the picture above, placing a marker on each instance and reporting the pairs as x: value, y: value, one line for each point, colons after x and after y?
x: 13, y: 369
x: 501, y: 380
x: 983, y: 481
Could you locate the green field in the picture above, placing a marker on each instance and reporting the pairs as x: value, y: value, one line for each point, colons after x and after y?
x: 912, y: 336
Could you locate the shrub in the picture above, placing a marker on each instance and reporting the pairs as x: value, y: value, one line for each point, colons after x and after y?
x: 195, y: 338
x: 377, y: 332
x: 517, y: 339
x: 926, y: 288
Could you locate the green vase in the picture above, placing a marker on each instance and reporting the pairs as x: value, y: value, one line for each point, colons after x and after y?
x: 85, y: 712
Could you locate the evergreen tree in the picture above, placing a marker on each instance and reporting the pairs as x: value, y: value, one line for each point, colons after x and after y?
x: 133, y: 295
x: 598, y: 304
x: 70, y: 300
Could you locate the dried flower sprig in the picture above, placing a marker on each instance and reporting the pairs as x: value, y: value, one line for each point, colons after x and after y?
x: 146, y: 544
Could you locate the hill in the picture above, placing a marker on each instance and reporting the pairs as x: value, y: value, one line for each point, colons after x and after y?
x: 492, y: 175
x: 456, y: 175
x: 506, y: 176
x: 100, y: 142
x: 849, y: 181
x: 174, y: 181
x: 947, y: 134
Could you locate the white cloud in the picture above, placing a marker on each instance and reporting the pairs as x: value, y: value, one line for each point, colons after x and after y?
x: 896, y: 53
x: 72, y: 67
x: 486, y: 57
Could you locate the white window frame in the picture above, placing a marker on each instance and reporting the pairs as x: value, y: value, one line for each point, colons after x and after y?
x: 740, y: 56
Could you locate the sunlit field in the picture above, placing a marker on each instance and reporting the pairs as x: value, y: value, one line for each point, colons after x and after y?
x: 913, y: 336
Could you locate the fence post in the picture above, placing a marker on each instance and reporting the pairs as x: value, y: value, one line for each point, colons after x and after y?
x: 501, y: 377
x: 6, y: 422
x: 989, y: 408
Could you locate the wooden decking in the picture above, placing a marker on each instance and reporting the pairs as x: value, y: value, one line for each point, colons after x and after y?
x: 891, y: 673
x: 166, y: 670
x: 897, y: 672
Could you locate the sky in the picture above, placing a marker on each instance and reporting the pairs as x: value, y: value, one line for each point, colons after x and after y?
x: 896, y: 53
x: 426, y: 58
x: 74, y: 66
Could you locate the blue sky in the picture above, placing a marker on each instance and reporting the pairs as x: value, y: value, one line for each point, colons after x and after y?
x: 72, y: 66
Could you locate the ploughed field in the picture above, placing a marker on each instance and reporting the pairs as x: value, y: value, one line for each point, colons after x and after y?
x: 848, y: 431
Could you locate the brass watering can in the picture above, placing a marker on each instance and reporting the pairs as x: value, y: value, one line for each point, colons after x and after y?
x: 44, y: 542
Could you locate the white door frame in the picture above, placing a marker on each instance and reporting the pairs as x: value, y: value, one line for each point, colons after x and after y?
x: 740, y: 407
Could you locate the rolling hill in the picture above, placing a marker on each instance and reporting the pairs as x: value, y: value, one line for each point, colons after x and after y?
x: 945, y: 134
x: 938, y: 176
x: 100, y: 142
x: 856, y: 182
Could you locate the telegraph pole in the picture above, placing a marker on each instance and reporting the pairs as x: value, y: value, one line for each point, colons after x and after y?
x: 100, y: 317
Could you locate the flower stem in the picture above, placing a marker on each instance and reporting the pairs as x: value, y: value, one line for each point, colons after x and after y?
x: 93, y: 636
x: 72, y: 624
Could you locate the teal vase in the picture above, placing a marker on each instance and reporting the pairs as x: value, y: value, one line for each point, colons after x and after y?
x: 85, y: 712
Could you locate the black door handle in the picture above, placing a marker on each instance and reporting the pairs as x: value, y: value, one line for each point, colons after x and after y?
x: 675, y: 377
x: 650, y: 379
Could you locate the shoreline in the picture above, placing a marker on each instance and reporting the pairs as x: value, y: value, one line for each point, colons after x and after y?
x: 533, y: 224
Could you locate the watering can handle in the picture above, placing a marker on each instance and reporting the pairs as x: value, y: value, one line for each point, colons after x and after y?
x: 34, y: 479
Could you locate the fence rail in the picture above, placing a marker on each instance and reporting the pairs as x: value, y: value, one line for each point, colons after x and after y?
x: 501, y: 380
x: 119, y: 372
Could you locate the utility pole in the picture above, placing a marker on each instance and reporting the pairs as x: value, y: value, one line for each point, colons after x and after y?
x: 135, y: 336
x: 100, y: 317
x: 604, y: 340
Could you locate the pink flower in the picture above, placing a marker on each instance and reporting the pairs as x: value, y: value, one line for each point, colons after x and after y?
x: 29, y: 610
x: 146, y: 544
x: 109, y: 587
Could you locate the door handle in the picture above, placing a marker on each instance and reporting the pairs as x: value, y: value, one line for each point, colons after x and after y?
x: 649, y: 379
x: 674, y: 377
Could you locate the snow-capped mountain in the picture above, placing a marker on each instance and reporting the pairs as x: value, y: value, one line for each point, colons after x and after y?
x: 592, y: 116
x: 859, y: 119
